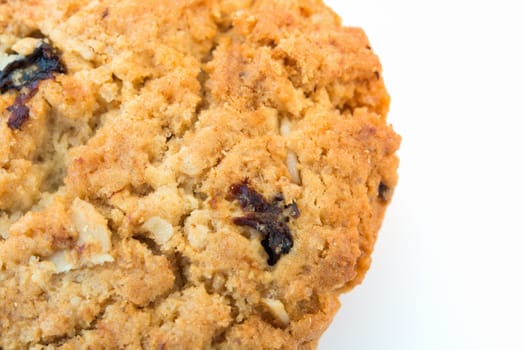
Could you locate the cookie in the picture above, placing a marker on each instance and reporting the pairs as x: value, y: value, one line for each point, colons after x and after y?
x: 185, y: 174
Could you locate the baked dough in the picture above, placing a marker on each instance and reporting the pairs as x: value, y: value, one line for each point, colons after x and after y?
x: 185, y: 174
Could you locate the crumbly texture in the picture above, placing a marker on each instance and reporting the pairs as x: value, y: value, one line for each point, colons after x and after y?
x: 118, y: 228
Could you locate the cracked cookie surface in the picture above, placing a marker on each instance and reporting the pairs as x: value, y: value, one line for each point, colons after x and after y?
x: 124, y: 222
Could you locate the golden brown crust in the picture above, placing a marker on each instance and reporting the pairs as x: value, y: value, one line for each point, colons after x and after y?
x: 116, y: 215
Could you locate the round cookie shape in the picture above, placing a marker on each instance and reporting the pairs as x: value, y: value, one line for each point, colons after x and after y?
x: 185, y: 174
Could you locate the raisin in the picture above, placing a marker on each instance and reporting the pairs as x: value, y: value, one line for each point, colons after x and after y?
x: 26, y: 73
x: 292, y: 210
x: 384, y: 192
x: 248, y: 198
x: 39, y: 65
x: 269, y: 219
x: 19, y: 111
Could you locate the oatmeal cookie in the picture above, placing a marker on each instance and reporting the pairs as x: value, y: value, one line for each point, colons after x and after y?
x: 185, y: 174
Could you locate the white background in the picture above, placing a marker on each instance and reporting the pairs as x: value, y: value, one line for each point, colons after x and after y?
x: 449, y: 266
